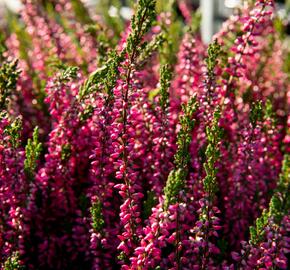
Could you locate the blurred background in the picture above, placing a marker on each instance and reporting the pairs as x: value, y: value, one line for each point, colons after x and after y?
x: 213, y: 12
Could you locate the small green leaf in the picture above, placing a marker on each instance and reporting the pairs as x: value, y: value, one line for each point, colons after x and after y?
x: 165, y: 79
x: 65, y: 151
x: 97, y: 216
x: 213, y: 52
x: 13, y: 263
x: 14, y: 132
x: 32, y: 151
x: 176, y: 179
x: 9, y: 74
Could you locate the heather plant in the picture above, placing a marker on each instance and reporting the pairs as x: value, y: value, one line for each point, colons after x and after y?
x: 134, y: 145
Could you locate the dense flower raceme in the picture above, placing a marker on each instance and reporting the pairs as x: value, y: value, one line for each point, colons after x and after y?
x: 115, y: 154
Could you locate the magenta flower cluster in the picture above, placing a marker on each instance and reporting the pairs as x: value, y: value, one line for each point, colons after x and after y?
x: 135, y: 146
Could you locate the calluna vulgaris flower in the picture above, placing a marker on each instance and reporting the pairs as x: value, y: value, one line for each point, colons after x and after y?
x: 134, y: 145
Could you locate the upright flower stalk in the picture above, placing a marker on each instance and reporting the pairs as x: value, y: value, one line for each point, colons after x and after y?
x: 208, y: 223
x: 126, y: 94
x: 13, y: 184
x: 268, y: 237
x: 126, y: 144
x: 165, y: 222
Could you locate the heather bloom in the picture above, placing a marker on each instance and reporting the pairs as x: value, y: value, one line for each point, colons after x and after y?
x: 269, y: 243
x: 60, y: 168
x: 207, y: 225
x: 189, y: 68
x: 130, y: 145
x: 13, y: 189
x: 167, y: 219
x: 130, y: 189
x: 13, y: 185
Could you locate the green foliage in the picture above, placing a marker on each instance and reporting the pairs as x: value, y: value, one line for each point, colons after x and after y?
x: 2, y: 45
x: 9, y: 74
x: 32, y: 151
x: 122, y: 256
x: 153, y: 93
x: 66, y: 72
x: 279, y: 206
x: 269, y: 113
x: 187, y: 122
x: 65, y: 151
x: 97, y: 216
x: 213, y: 134
x: 174, y: 184
x: 69, y: 73
x: 13, y: 131
x: 150, y: 48
x: 88, y: 111
x: 140, y: 24
x: 12, y: 263
x: 103, y: 78
x: 214, y: 50
x: 257, y: 232
x: 108, y: 82
x: 256, y: 113
x: 165, y: 80
x: 260, y: 113
x: 176, y: 179
x: 280, y: 202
